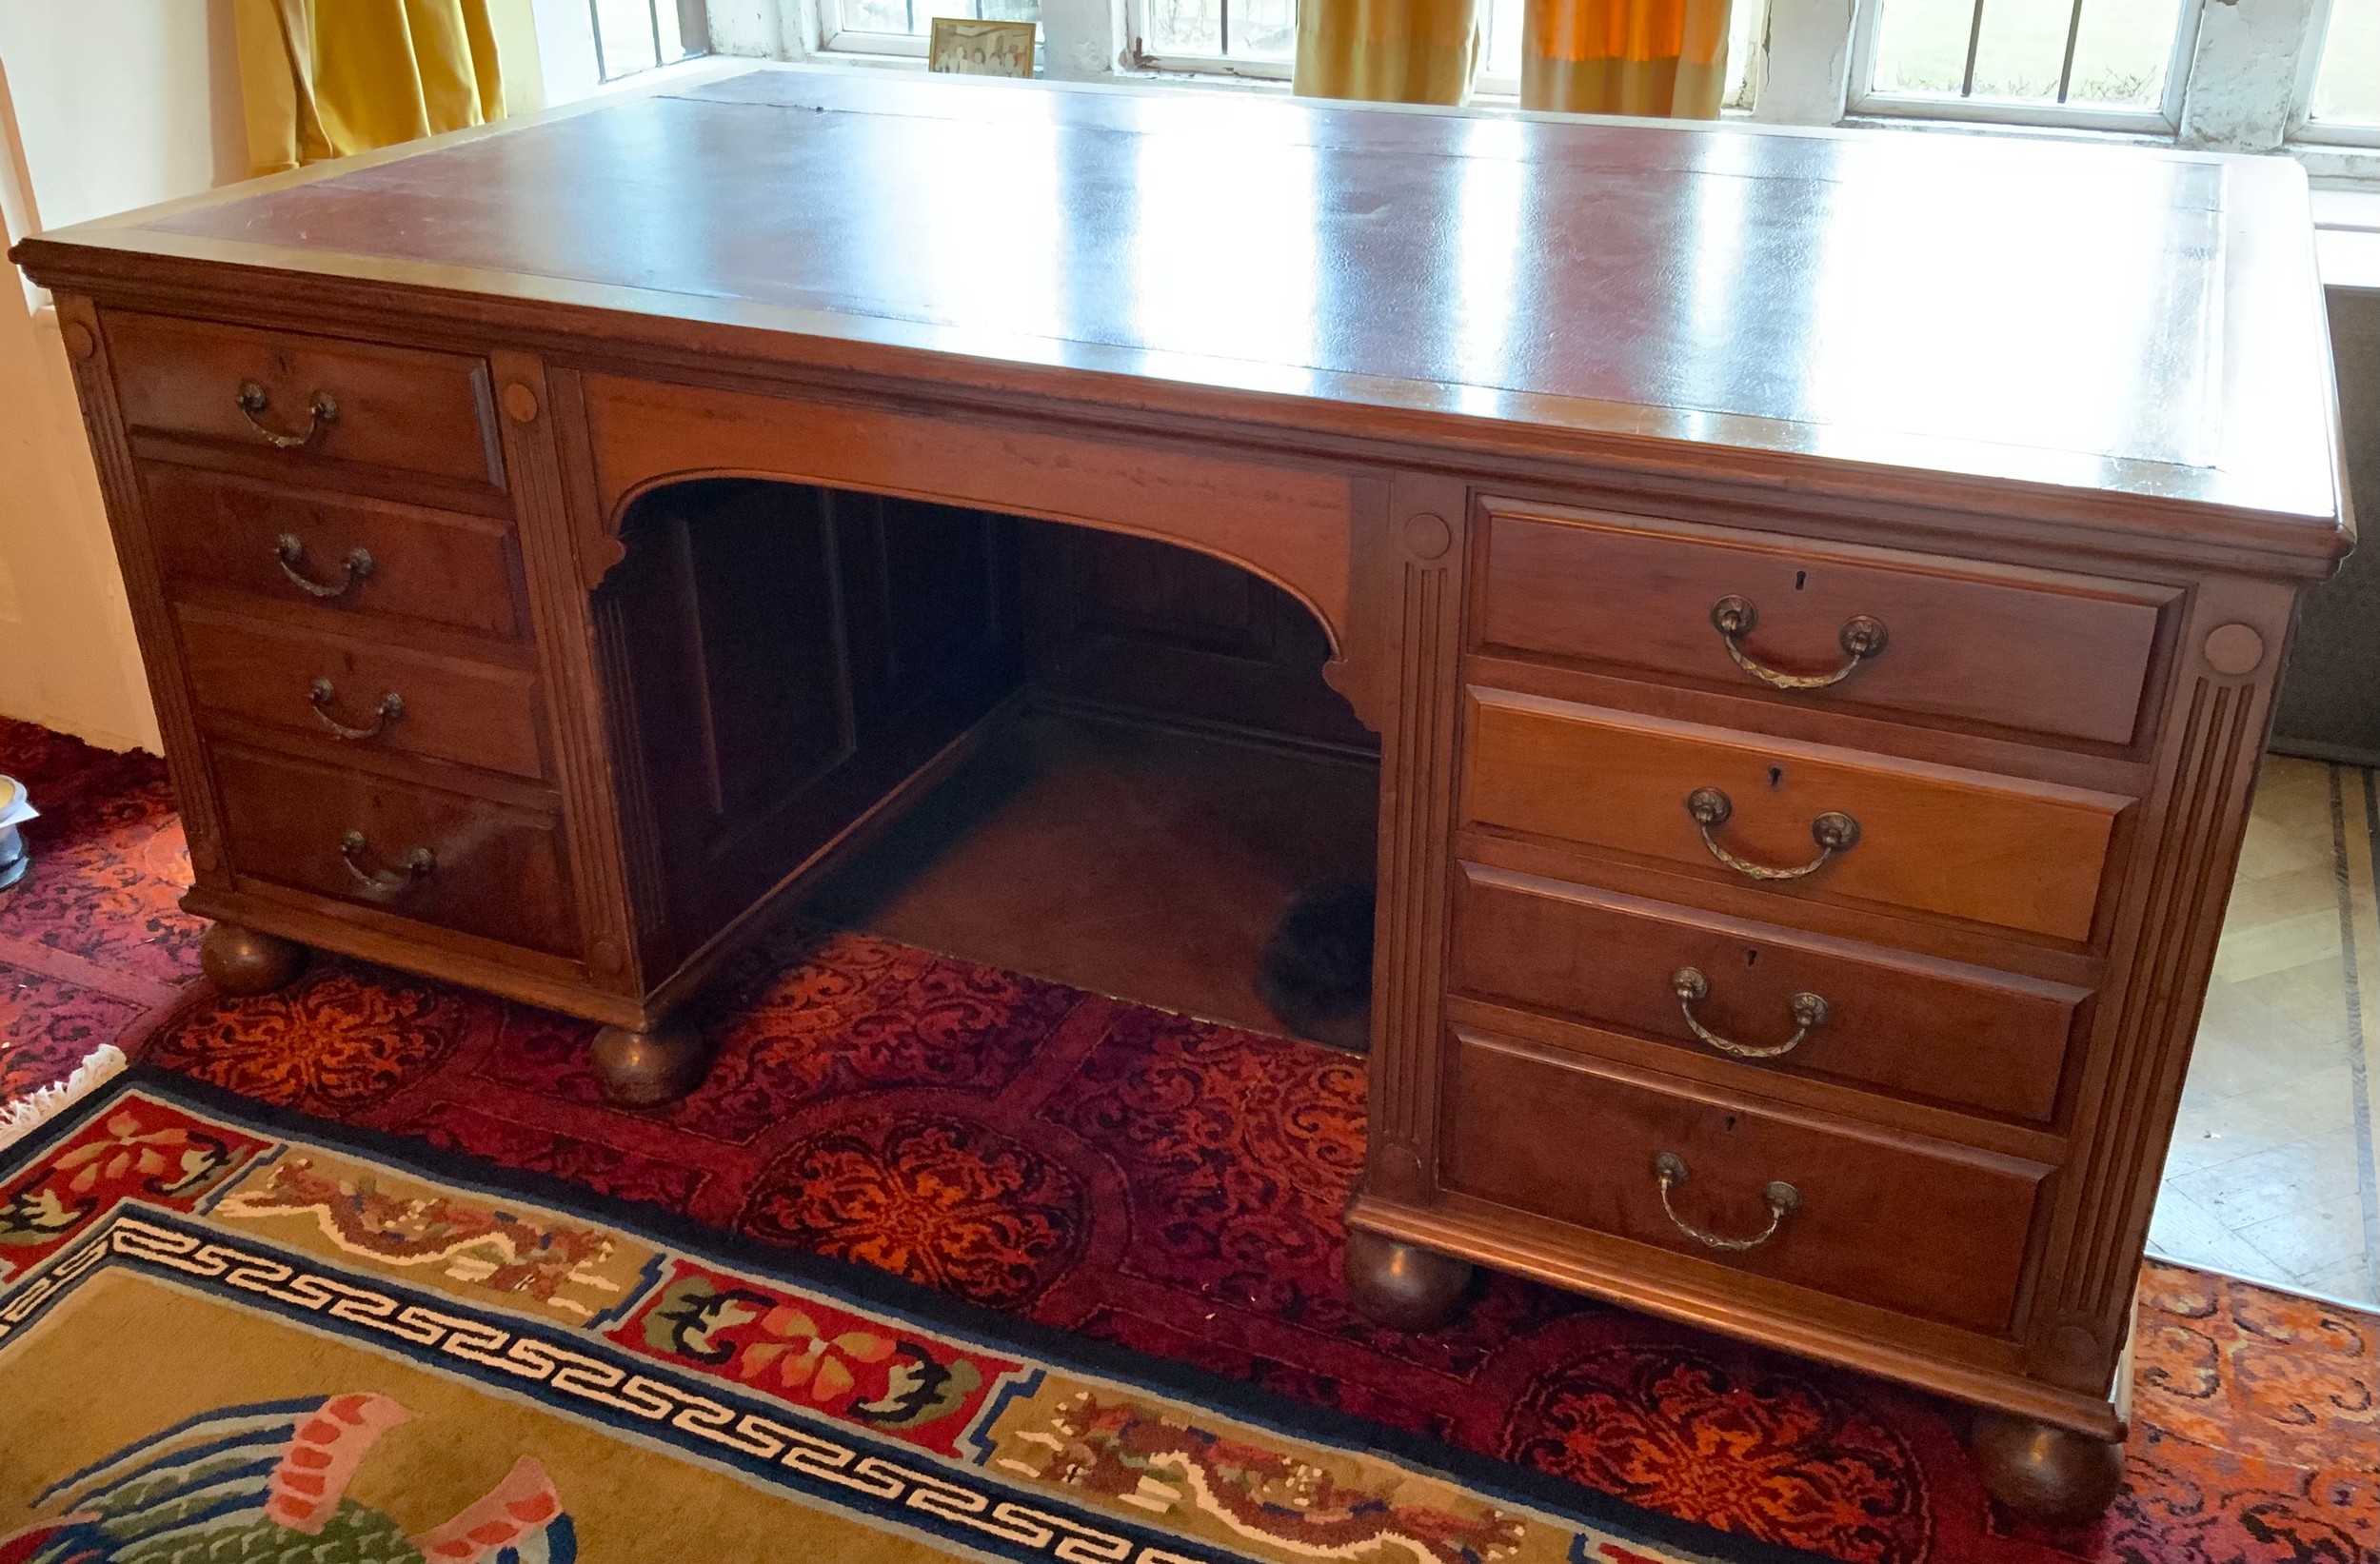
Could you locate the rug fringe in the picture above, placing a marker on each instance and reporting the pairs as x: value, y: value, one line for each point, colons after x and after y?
x: 18, y: 1119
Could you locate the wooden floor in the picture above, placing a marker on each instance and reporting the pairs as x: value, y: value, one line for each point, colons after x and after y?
x: 1129, y: 861
x: 2272, y: 1174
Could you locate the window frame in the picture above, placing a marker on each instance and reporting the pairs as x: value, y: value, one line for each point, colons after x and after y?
x: 2303, y: 130
x: 1139, y: 57
x: 693, y: 36
x: 858, y: 45
x: 834, y: 38
x: 1864, y: 98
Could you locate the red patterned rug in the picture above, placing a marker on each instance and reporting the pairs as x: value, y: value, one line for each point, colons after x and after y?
x: 91, y: 943
x: 1172, y: 1187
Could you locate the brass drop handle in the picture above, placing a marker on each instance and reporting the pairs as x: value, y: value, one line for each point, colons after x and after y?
x: 1734, y: 617
x: 322, y: 695
x: 418, y: 865
x: 1834, y: 831
x: 322, y: 410
x: 290, y: 550
x: 1809, y: 1011
x: 1783, y: 1201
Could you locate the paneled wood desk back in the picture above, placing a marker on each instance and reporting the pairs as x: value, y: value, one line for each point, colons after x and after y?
x: 1819, y: 597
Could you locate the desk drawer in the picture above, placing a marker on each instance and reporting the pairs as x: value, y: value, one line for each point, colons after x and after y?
x: 359, y: 555
x: 1901, y: 1222
x: 491, y: 869
x: 390, y: 407
x: 1998, y: 850
x: 1910, y: 1025
x: 361, y: 693
x: 2032, y: 649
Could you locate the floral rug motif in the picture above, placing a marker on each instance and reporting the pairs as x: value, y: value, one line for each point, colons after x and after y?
x: 1170, y: 1188
x: 544, y: 1377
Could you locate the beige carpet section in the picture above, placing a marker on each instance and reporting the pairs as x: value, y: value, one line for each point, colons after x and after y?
x: 628, y: 1499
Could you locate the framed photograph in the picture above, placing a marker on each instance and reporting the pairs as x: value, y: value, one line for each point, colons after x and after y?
x: 981, y: 49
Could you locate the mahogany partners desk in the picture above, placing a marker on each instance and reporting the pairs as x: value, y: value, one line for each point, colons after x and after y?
x: 1819, y: 597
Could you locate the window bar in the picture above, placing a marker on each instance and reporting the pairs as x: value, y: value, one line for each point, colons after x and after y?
x: 595, y: 20
x: 2066, y: 67
x: 1222, y: 22
x: 1974, y: 40
x: 652, y: 20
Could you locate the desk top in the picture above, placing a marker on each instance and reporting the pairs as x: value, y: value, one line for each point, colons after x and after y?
x: 2141, y: 325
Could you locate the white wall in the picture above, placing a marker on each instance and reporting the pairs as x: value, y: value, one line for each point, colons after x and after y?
x: 105, y: 106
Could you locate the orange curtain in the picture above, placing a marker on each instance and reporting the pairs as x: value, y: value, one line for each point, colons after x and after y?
x: 324, y: 78
x: 1663, y: 57
x: 1387, y: 50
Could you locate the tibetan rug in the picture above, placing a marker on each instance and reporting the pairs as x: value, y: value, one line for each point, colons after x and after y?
x: 1170, y: 1190
x: 229, y: 1334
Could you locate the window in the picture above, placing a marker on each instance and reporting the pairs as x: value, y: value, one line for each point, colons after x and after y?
x: 1251, y: 37
x: 901, y: 27
x: 2114, y: 64
x: 2343, y: 104
x: 633, y: 35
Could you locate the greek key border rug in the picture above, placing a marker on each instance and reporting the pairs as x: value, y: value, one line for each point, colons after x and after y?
x: 228, y: 1333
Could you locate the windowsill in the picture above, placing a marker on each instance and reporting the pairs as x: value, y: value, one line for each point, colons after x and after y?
x: 2347, y: 239
x: 693, y: 67
x: 2338, y: 165
x: 2348, y: 258
x: 1141, y: 65
x: 863, y: 60
x: 2348, y: 209
x: 2007, y: 130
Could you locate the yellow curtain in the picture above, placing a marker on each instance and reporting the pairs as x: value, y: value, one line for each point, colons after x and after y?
x: 324, y: 78
x: 1387, y: 50
x: 1665, y: 57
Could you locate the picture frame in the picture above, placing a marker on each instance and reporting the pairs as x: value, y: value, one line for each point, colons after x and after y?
x: 963, y: 47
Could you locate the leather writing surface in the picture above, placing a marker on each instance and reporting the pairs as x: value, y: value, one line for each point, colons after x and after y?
x: 1866, y: 296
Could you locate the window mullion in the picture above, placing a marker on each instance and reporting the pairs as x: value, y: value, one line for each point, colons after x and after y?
x: 1076, y: 32
x: 2243, y: 73
x: 1813, y: 47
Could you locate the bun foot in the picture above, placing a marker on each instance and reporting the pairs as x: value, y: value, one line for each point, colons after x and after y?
x: 2051, y: 1476
x: 646, y: 1069
x: 242, y: 961
x: 1401, y: 1287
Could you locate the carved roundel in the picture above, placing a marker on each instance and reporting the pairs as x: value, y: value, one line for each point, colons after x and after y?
x: 1428, y: 537
x: 2235, y: 649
